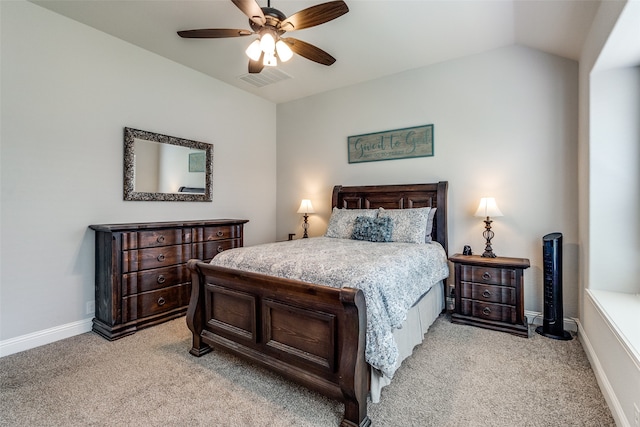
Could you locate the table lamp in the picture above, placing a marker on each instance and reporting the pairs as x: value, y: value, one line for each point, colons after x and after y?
x: 305, y: 208
x: 487, y: 209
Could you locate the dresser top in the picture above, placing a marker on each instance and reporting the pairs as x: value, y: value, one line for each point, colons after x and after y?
x: 166, y: 224
x: 490, y: 262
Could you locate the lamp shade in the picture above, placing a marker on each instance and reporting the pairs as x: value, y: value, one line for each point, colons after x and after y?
x: 305, y: 207
x: 488, y: 207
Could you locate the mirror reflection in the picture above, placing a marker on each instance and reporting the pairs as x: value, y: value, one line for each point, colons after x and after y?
x: 161, y: 167
x: 166, y: 168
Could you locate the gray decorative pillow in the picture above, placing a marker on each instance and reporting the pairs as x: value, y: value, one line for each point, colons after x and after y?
x: 372, y: 229
x: 409, y: 225
x: 342, y: 221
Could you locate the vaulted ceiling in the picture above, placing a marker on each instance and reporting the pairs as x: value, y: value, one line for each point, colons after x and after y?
x: 375, y: 38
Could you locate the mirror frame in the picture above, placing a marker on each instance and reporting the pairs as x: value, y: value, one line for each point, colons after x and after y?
x: 130, y: 135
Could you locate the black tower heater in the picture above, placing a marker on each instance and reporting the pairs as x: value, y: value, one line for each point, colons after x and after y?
x: 553, y: 321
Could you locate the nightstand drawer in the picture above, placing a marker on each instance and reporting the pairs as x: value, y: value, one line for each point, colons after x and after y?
x: 481, y: 310
x: 488, y: 293
x: 488, y: 275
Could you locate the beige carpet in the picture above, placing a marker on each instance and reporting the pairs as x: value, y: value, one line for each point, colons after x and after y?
x: 459, y: 376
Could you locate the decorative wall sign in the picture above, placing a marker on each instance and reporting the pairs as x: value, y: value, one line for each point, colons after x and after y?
x: 391, y: 145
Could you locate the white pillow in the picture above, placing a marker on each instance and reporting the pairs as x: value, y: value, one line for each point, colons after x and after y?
x: 409, y: 225
x: 342, y: 221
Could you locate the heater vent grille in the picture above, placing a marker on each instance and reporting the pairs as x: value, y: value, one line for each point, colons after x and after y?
x: 266, y: 77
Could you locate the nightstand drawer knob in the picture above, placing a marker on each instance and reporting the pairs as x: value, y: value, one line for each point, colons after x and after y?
x: 220, y: 233
x: 486, y: 275
x: 486, y: 311
x: 161, y: 279
x: 160, y: 239
x: 486, y: 294
x: 160, y: 258
x: 220, y: 249
x: 161, y: 301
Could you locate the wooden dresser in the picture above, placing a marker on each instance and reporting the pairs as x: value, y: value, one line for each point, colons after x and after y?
x: 141, y: 273
x: 489, y: 294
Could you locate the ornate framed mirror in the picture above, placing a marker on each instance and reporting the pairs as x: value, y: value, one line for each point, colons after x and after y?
x: 165, y: 168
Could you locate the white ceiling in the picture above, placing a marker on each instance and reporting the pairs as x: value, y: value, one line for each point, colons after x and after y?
x: 375, y: 39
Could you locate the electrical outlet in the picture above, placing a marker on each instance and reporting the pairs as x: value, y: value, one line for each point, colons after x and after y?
x: 636, y: 415
x: 90, y: 307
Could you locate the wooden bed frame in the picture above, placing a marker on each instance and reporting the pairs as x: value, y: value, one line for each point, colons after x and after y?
x: 311, y: 334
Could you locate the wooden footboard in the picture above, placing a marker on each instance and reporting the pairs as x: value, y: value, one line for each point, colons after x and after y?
x: 311, y: 334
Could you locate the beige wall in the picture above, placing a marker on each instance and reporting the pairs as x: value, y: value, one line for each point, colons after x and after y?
x: 67, y: 93
x: 505, y: 125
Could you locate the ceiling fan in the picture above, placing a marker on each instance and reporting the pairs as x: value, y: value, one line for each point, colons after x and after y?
x: 270, y: 24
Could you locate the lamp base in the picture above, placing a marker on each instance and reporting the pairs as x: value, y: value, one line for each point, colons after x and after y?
x: 488, y: 235
x: 305, y: 226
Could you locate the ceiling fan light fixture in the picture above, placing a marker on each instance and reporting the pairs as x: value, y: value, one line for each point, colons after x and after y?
x: 254, y: 51
x: 269, y: 25
x: 283, y: 50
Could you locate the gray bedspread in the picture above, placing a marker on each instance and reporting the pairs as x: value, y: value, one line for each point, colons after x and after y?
x: 392, y: 276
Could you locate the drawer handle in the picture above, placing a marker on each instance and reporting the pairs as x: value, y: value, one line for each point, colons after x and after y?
x: 220, y: 233
x: 160, y: 258
x: 486, y: 275
x: 161, y: 301
x: 220, y: 249
x: 486, y: 311
x: 486, y: 294
x: 160, y: 239
x: 161, y: 279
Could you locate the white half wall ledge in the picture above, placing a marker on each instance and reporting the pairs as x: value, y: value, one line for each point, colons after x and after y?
x: 46, y: 336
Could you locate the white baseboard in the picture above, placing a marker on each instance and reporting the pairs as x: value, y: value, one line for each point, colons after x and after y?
x: 605, y: 386
x: 47, y: 336
x: 535, y: 318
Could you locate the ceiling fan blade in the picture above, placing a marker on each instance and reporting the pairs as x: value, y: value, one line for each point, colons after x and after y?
x: 256, y: 66
x: 309, y: 51
x: 213, y: 33
x: 315, y: 15
x: 252, y: 10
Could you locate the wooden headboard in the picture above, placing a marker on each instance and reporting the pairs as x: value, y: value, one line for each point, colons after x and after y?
x: 399, y: 197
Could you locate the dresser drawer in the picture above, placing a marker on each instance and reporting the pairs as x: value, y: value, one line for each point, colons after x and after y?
x: 156, y: 278
x: 155, y: 302
x: 220, y: 232
x: 207, y: 250
x: 488, y: 275
x: 488, y: 293
x: 489, y: 311
x: 155, y: 238
x: 144, y: 259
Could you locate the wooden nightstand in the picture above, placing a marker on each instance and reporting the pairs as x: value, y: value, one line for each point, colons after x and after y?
x: 488, y: 293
